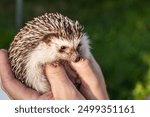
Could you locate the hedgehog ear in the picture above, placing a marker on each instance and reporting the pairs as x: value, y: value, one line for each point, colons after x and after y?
x: 47, y: 38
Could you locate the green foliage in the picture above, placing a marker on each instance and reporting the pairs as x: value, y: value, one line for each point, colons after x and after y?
x: 142, y: 90
x: 119, y: 33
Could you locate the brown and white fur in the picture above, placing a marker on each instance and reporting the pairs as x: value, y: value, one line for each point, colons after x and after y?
x: 47, y: 39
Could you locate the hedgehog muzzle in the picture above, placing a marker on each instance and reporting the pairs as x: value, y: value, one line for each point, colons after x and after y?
x: 75, y: 57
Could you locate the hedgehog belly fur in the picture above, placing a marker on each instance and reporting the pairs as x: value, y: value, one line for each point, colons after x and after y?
x: 35, y: 62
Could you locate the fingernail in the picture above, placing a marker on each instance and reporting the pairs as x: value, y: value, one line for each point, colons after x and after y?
x: 55, y: 64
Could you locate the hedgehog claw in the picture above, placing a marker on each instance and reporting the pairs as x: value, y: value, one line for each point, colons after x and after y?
x: 55, y: 64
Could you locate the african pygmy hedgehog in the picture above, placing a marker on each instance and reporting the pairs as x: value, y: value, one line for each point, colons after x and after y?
x: 49, y: 38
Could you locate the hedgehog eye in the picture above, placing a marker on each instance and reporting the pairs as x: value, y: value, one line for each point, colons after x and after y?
x: 79, y: 45
x: 62, y: 49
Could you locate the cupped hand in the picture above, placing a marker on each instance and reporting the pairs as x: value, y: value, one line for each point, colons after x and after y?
x: 15, y: 89
x: 93, y: 85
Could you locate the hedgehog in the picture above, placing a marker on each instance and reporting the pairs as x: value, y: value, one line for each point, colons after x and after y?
x: 48, y: 39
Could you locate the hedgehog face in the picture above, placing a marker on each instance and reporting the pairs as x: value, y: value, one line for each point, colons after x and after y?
x: 67, y: 49
x: 53, y: 48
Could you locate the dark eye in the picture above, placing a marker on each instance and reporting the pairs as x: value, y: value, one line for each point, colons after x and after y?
x: 62, y: 49
x: 79, y: 45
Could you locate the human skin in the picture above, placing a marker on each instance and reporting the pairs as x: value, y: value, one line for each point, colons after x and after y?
x: 92, y: 82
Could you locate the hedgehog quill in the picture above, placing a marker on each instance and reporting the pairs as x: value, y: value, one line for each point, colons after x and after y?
x: 48, y: 39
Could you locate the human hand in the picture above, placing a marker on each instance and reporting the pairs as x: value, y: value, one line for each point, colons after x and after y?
x: 58, y: 80
x: 15, y: 89
x: 93, y: 83
x: 92, y: 80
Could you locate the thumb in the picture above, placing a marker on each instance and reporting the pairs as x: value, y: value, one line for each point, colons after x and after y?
x: 61, y: 86
x: 91, y: 86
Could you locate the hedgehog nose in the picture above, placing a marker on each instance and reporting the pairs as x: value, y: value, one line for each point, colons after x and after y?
x: 77, y: 59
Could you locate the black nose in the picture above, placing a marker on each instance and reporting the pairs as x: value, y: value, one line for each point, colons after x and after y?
x: 77, y: 59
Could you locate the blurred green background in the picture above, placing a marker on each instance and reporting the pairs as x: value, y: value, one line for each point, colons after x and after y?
x: 119, y: 31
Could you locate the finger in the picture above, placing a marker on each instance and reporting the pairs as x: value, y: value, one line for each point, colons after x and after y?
x: 11, y: 86
x: 97, y: 70
x: 91, y: 87
x: 61, y: 86
x: 5, y: 69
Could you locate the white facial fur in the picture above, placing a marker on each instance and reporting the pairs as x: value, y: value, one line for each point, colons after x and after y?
x: 73, y: 49
x: 48, y: 53
x: 85, y: 49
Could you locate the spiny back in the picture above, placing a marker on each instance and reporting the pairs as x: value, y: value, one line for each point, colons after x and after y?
x: 54, y: 23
